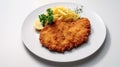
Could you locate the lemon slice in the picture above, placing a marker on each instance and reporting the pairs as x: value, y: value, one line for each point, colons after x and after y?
x: 37, y: 24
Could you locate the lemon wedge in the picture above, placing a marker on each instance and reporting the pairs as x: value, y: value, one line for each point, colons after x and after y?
x: 37, y: 24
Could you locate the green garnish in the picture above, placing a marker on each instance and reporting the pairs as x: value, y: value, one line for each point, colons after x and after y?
x: 79, y: 10
x: 50, y: 19
x: 44, y: 19
x: 49, y: 11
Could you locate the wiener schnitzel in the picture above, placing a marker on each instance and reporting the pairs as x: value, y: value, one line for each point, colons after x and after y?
x: 62, y: 36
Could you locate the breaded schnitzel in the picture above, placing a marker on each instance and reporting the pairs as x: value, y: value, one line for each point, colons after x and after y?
x: 62, y: 36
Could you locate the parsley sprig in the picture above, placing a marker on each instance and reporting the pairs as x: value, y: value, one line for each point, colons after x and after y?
x: 46, y: 19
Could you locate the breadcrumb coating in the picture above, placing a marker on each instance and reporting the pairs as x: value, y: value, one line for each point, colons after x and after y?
x: 63, y: 36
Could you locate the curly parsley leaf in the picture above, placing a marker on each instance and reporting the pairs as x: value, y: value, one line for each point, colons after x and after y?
x: 44, y: 19
x: 50, y: 19
x: 49, y: 11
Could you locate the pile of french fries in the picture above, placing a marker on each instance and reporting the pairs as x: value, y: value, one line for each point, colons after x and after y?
x: 64, y: 13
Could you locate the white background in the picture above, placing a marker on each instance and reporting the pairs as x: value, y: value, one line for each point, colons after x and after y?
x: 14, y: 54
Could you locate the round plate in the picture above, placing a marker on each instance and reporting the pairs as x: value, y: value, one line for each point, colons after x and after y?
x: 31, y: 38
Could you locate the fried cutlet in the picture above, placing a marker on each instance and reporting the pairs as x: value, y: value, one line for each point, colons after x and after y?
x: 62, y: 36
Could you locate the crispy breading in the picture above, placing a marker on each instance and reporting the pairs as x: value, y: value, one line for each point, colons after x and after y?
x: 62, y: 36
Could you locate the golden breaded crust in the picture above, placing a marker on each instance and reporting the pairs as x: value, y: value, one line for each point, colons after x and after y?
x: 62, y: 36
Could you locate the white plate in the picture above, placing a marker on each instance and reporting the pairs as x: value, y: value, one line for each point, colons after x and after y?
x: 31, y: 38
